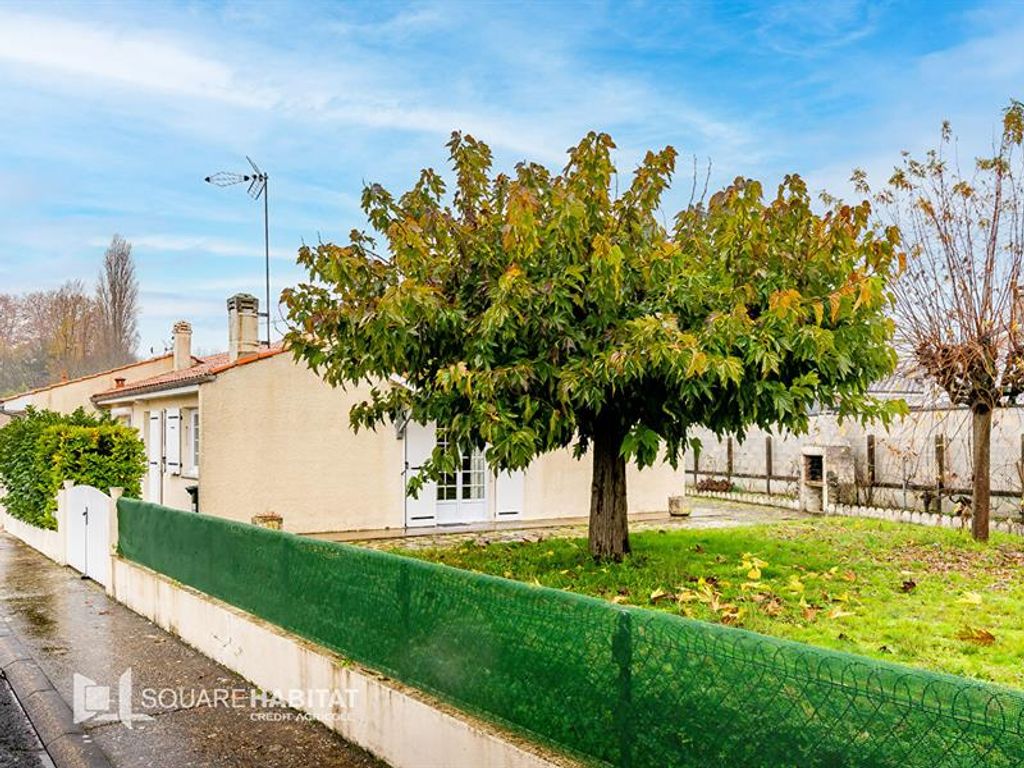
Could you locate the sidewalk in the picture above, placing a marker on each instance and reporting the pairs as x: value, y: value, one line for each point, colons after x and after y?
x: 69, y: 625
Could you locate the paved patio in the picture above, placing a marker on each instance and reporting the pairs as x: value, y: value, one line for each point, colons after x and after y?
x: 704, y: 513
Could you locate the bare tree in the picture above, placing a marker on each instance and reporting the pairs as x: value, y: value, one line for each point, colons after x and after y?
x: 15, y: 357
x: 68, y: 320
x: 958, y: 303
x: 117, y: 299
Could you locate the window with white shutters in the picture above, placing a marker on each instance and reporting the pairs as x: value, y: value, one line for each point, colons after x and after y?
x: 172, y: 440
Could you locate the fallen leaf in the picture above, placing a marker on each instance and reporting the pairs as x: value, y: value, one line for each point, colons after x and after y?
x: 908, y: 586
x: 752, y: 565
x: 661, y: 594
x: 970, y: 598
x: 838, y: 613
x: 849, y: 575
x: 731, y: 616
x: 976, y: 635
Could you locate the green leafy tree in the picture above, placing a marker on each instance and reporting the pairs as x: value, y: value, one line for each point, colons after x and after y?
x: 531, y: 313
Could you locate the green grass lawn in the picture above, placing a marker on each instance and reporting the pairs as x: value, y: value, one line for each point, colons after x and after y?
x: 922, y: 596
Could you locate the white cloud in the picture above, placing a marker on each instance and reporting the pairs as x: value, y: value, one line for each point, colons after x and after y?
x: 366, y: 89
x: 131, y: 58
x: 202, y: 244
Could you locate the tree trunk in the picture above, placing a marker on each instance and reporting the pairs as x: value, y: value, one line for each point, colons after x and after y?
x: 981, y: 492
x: 609, y: 533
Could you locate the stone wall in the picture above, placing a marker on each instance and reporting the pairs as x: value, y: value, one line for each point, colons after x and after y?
x: 906, y: 454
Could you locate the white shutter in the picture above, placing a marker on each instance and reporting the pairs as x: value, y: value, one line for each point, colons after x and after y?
x: 510, y: 492
x: 419, y: 444
x: 172, y: 440
x: 154, y: 456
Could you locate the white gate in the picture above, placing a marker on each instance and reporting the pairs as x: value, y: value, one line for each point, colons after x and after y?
x: 88, y: 534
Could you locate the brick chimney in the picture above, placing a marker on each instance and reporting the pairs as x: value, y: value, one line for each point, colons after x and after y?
x: 182, y: 345
x: 243, y: 326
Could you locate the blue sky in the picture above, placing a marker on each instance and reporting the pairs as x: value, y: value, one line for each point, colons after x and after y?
x: 112, y: 114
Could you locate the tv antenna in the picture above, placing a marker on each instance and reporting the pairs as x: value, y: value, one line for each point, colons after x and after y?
x: 257, y: 181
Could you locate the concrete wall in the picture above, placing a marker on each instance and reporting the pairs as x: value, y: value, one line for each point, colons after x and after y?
x: 403, y: 727
x: 906, y: 450
x: 66, y: 397
x: 276, y: 438
x: 49, y: 543
x: 396, y: 723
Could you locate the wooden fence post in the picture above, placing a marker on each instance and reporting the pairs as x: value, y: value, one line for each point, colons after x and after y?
x: 871, y: 469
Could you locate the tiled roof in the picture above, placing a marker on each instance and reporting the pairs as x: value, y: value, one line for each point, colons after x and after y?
x: 900, y: 384
x: 87, y: 376
x: 205, y: 369
x: 275, y: 349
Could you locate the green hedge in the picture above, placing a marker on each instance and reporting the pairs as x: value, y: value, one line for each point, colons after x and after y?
x: 105, y: 456
x: 41, y: 449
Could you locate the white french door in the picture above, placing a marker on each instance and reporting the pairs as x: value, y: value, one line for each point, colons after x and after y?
x: 456, y: 498
x: 462, y: 495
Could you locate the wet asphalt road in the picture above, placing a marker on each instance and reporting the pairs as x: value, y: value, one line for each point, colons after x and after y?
x: 69, y: 625
x: 19, y: 746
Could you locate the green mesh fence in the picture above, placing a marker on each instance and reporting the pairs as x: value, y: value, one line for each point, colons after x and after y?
x: 613, y: 684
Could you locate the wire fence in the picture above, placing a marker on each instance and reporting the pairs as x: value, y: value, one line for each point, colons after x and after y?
x: 611, y: 684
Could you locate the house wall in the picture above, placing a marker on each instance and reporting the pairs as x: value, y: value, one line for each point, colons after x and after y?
x: 173, y: 486
x: 66, y: 397
x: 558, y: 485
x: 276, y: 438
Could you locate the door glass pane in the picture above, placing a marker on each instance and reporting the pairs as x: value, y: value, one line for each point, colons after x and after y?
x: 447, y: 484
x: 473, y: 469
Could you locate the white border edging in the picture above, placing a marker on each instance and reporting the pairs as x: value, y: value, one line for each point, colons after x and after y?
x: 404, y: 728
x: 914, y: 517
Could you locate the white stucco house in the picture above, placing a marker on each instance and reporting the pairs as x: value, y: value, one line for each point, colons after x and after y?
x: 253, y: 433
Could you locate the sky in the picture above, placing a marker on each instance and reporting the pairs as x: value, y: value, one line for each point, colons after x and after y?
x: 112, y: 114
